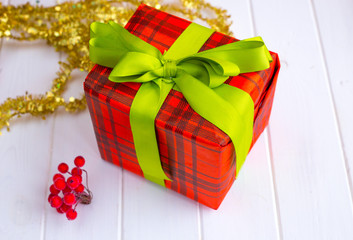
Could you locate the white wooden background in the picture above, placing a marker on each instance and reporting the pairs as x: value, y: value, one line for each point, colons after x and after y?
x: 296, y: 183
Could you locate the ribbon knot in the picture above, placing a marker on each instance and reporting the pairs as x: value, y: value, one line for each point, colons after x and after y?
x: 199, y: 76
x: 169, y: 69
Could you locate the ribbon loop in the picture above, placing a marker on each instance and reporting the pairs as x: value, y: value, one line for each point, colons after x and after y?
x: 199, y: 76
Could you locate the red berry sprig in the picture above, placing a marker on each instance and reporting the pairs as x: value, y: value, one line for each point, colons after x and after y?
x: 66, y: 194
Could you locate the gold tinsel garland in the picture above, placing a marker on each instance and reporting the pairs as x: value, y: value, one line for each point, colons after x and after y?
x: 66, y: 27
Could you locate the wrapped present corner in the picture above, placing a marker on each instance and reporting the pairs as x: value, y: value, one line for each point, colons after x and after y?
x: 178, y: 103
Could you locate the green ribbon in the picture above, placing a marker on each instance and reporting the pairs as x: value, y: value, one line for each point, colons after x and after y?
x: 199, y: 76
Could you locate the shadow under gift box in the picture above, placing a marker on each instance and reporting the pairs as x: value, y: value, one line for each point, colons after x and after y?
x: 195, y: 154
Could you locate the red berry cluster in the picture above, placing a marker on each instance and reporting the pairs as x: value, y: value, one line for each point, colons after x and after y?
x: 66, y: 194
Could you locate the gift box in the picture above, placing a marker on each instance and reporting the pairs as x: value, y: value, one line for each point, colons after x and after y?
x: 196, y: 156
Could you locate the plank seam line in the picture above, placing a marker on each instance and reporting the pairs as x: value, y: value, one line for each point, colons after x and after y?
x: 199, y: 221
x: 252, y: 18
x: 120, y: 208
x: 43, y: 222
x: 44, y: 217
x: 268, y: 144
x: 331, y: 98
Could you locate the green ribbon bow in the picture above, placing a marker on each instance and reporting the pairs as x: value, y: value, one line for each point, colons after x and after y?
x: 199, y: 76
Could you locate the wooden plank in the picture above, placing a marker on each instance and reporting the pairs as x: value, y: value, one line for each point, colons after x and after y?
x: 248, y: 211
x: 153, y: 212
x: 25, y: 151
x: 334, y: 38
x: 74, y: 135
x: 311, y: 180
x: 252, y: 193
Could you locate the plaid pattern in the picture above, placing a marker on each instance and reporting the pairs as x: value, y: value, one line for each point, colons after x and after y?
x: 194, y: 153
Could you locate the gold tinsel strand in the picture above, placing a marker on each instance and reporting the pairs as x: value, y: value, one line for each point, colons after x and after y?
x: 66, y: 27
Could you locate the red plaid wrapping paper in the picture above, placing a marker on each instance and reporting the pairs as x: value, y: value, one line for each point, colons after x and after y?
x: 195, y: 154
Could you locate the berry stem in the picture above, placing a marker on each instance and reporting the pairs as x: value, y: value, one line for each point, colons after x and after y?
x: 90, y: 194
x: 78, y: 201
x: 86, y: 177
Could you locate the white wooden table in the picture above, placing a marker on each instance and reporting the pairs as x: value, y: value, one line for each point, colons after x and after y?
x: 295, y: 184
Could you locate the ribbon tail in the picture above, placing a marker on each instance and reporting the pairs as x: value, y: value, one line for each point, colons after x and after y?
x: 243, y: 104
x: 229, y: 108
x: 143, y: 112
